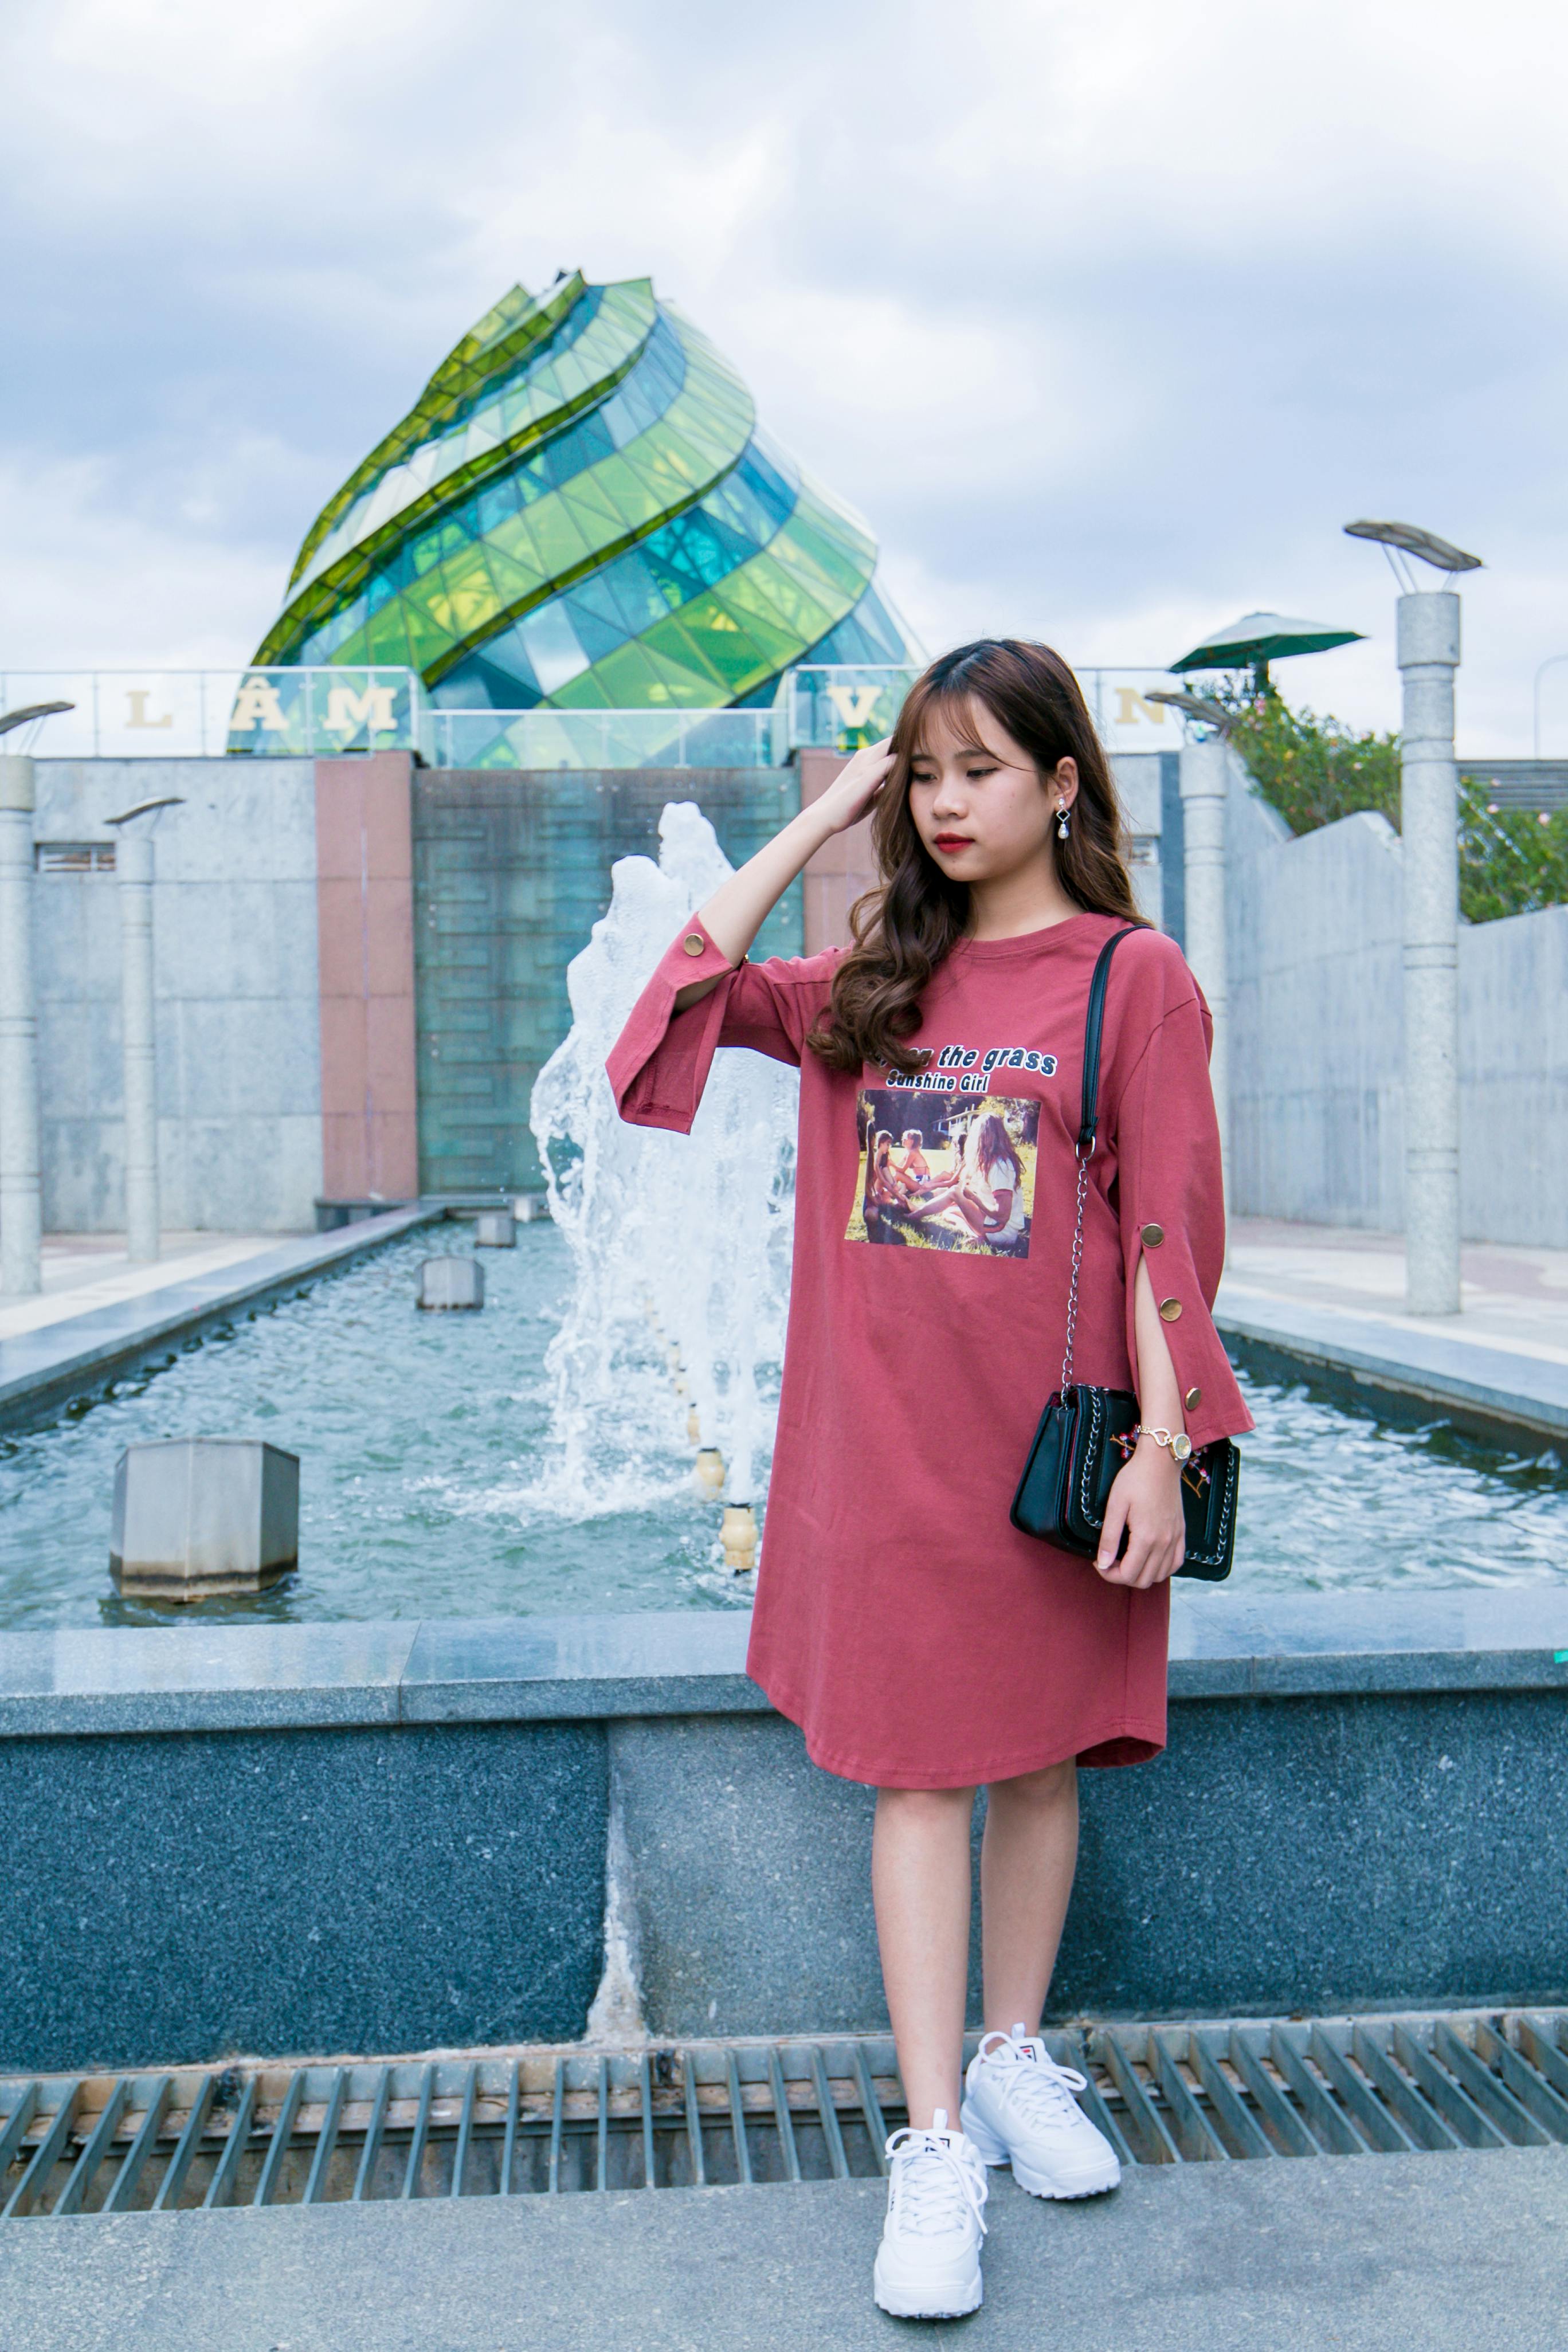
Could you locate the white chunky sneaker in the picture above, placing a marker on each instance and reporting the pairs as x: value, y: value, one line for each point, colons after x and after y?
x: 1019, y: 2109
x: 928, y: 2264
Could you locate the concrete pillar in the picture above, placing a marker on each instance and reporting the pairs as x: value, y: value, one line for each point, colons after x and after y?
x: 1205, y: 781
x: 133, y: 866
x: 20, y: 1187
x: 1428, y: 656
x: 449, y: 1283
x: 196, y: 1518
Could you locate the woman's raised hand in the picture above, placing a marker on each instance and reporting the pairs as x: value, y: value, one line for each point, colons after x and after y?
x: 857, y: 785
x: 739, y: 908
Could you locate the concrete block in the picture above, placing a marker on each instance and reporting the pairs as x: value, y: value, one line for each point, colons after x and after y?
x: 195, y: 1517
x: 451, y: 1282
x: 495, y: 1229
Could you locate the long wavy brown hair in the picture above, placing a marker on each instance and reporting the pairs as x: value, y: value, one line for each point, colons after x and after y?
x: 906, y: 927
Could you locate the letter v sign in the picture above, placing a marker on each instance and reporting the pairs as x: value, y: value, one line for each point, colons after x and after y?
x: 854, y: 703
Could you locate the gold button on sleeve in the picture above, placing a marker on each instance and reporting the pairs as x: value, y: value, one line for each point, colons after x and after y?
x: 1153, y: 1236
x: 1192, y: 1399
x: 694, y: 942
x: 1170, y: 1309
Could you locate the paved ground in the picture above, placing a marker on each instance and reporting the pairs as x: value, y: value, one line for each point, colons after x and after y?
x: 1512, y: 1299
x: 1420, y: 2253
x: 84, y: 1271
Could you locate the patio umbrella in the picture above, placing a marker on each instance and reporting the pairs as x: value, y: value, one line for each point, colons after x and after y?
x: 1258, y: 638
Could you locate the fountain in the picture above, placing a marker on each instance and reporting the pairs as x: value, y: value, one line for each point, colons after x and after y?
x: 680, y: 1246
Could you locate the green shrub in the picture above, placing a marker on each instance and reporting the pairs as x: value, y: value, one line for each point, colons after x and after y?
x: 1315, y: 770
x: 1511, y: 861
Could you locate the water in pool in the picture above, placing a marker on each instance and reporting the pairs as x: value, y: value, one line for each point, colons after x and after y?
x: 429, y: 1486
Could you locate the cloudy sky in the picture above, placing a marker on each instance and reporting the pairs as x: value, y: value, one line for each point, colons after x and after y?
x: 1107, y: 316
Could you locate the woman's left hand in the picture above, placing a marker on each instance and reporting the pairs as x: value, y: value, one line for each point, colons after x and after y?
x: 1146, y: 1499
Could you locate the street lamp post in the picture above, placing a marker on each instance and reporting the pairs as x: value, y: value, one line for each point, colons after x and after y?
x: 1205, y: 778
x: 1549, y: 662
x: 1428, y: 655
x: 134, y: 868
x: 21, y: 1220
x: 21, y: 1173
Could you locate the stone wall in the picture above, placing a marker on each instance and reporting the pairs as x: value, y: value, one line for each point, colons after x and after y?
x: 1317, y: 1041
x: 235, y: 945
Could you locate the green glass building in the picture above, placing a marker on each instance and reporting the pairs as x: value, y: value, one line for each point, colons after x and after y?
x: 581, y: 511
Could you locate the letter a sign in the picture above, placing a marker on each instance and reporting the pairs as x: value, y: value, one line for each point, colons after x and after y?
x: 256, y: 704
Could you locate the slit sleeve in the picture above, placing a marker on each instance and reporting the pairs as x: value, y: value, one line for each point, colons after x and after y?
x: 659, y: 1066
x: 1172, y: 1210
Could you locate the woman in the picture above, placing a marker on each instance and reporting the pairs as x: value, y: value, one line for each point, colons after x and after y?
x: 885, y: 1196
x: 914, y: 1169
x: 989, y: 1190
x: 929, y: 1669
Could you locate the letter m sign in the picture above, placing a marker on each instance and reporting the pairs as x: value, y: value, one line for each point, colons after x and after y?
x: 348, y: 712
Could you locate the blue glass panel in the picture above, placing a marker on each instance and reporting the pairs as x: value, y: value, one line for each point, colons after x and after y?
x: 867, y: 635
x: 500, y: 677
x: 625, y: 596
x: 599, y: 632
x: 582, y: 444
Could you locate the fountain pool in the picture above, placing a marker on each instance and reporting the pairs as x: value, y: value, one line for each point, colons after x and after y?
x: 432, y: 1486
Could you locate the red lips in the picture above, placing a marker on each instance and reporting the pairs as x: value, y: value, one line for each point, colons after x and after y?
x: 953, y: 840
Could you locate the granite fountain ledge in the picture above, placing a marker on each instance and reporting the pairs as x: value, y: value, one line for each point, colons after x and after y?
x: 43, y: 1370
x: 207, y: 1677
x: 1500, y: 1391
x: 295, y: 1839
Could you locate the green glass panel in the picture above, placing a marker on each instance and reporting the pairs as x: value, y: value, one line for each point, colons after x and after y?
x: 558, y: 537
x: 385, y: 637
x: 790, y: 599
x: 623, y: 680
x: 426, y: 642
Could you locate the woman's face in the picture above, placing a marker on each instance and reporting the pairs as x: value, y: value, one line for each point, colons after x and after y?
x: 979, y: 803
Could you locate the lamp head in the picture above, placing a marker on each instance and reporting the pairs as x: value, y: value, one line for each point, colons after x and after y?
x: 14, y: 719
x: 147, y: 808
x: 1197, y: 706
x: 1410, y: 540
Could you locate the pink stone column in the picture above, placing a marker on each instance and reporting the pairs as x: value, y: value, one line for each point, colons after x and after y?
x: 365, y: 915
x: 841, y: 869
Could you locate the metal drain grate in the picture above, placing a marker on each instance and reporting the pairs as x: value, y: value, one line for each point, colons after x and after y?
x: 710, y: 2113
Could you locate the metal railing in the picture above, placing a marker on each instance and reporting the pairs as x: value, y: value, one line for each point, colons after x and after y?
x: 605, y: 738
x: 311, y: 713
x: 177, y: 714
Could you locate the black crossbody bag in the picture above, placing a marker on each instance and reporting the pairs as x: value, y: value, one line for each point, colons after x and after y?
x: 1080, y: 1443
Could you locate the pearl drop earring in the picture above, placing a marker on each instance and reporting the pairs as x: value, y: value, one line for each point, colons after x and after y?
x: 1061, y: 820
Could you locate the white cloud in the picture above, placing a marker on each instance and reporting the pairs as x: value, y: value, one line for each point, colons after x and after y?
x: 1108, y: 319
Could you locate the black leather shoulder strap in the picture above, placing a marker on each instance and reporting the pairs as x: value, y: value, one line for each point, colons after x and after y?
x: 1088, y: 1117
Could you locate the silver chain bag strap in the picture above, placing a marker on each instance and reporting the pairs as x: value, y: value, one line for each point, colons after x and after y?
x: 1085, y: 1433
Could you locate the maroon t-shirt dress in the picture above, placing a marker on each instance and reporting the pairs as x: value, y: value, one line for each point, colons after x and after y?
x: 917, y: 1638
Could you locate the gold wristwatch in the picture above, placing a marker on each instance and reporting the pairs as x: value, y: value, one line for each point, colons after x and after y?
x: 1176, y: 1442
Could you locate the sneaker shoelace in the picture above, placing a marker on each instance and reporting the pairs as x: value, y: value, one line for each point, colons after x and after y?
x: 1040, y: 2083
x: 929, y: 2170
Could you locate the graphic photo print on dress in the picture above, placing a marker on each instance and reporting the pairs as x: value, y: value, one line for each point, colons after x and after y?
x: 943, y: 1169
